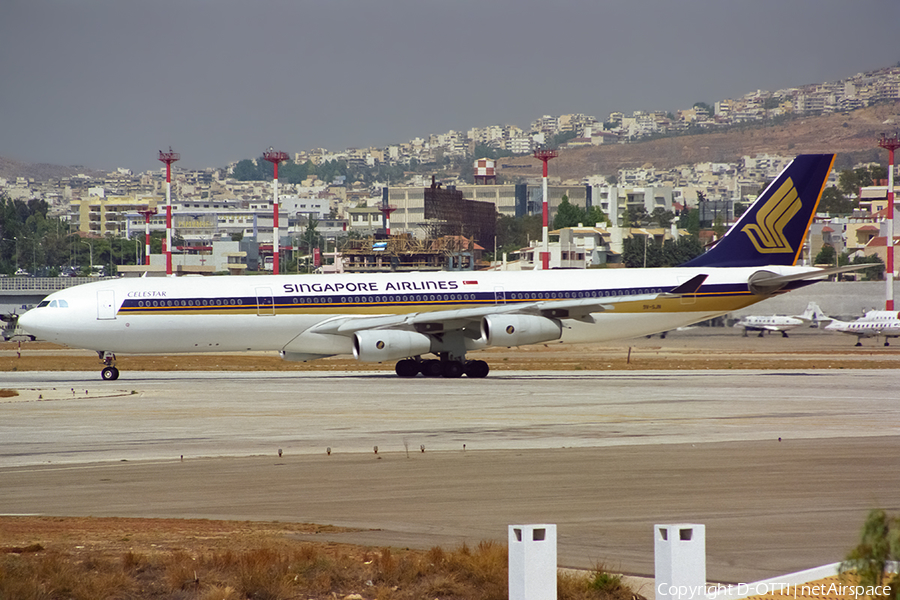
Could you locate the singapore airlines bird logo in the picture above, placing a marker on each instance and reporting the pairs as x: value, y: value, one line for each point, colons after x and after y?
x: 767, y: 234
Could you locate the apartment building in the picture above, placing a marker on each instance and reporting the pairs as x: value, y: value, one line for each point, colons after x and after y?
x: 108, y: 215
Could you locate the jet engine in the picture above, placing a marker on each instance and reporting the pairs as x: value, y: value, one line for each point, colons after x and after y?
x: 377, y: 345
x: 519, y: 330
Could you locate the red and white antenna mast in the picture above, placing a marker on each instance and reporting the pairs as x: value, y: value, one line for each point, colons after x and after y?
x: 386, y: 210
x: 147, y: 214
x: 891, y: 144
x: 545, y: 155
x: 168, y: 158
x: 275, y: 157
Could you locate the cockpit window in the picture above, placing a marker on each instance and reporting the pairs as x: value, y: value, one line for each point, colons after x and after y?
x: 53, y: 304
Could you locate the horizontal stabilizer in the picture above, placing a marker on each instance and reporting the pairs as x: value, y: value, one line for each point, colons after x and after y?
x: 766, y: 282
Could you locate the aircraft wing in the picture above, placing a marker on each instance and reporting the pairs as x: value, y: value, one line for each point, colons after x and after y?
x: 447, y: 320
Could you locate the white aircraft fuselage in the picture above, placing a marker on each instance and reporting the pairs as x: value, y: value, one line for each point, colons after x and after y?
x: 872, y: 324
x: 240, y: 313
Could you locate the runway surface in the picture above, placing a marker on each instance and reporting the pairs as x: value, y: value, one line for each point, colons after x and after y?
x: 604, y: 455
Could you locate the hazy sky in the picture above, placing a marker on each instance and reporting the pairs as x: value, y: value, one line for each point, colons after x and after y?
x: 109, y: 83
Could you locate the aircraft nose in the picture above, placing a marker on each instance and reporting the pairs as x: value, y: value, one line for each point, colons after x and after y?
x: 30, y: 322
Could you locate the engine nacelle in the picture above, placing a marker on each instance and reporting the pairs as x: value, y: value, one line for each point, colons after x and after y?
x: 377, y: 345
x: 519, y: 330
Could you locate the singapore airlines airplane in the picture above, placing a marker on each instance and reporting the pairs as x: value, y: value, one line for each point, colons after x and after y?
x: 813, y: 315
x: 403, y: 317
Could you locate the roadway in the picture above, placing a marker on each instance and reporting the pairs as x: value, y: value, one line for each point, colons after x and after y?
x: 781, y: 466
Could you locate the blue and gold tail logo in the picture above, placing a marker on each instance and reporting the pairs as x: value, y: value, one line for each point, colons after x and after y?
x: 767, y: 234
x: 772, y: 231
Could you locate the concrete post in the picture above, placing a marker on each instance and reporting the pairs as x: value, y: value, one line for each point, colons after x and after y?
x: 680, y: 557
x: 532, y: 562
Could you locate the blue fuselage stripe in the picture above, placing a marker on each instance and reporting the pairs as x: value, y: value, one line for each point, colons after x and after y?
x: 242, y: 304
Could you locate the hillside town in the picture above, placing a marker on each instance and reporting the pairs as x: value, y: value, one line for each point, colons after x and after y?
x: 214, y: 206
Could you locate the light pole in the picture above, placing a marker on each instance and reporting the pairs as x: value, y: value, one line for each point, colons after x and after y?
x: 91, y: 246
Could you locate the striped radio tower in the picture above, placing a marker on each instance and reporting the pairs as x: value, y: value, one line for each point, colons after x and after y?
x: 168, y: 158
x: 149, y: 212
x: 275, y: 157
x: 890, y: 144
x: 545, y: 155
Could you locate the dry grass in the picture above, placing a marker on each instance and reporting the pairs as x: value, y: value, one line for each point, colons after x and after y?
x: 205, y: 560
x: 699, y: 352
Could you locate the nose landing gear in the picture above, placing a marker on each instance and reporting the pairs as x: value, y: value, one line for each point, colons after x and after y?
x: 109, y: 372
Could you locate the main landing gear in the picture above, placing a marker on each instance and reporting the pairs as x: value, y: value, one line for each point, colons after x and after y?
x: 410, y: 367
x: 109, y: 372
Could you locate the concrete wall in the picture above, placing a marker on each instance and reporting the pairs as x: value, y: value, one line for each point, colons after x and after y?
x: 848, y: 299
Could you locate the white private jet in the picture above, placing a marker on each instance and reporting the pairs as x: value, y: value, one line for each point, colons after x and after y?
x: 403, y: 317
x: 812, y: 316
x: 874, y: 323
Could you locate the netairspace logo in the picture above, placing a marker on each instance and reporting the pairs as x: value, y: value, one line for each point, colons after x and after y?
x: 742, y: 590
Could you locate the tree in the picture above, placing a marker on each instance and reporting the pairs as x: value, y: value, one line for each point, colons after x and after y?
x: 662, y: 217
x: 719, y: 226
x: 595, y: 215
x: 876, y: 273
x: 636, y: 216
x: 690, y: 220
x: 825, y: 256
x: 835, y: 203
x: 704, y: 107
x: 679, y: 251
x: 246, y: 170
x: 568, y: 215
x: 513, y: 233
x: 850, y: 181
x: 879, y: 545
x: 482, y: 151
x: 310, y: 238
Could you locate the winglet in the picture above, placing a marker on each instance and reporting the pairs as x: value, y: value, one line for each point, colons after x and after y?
x: 772, y: 231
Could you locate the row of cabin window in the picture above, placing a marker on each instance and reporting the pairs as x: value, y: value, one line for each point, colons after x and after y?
x: 402, y: 298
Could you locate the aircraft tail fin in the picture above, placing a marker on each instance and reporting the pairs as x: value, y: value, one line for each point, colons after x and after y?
x: 813, y: 314
x: 773, y: 230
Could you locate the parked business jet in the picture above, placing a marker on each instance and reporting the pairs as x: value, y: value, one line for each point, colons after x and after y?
x: 812, y: 316
x: 405, y: 316
x: 872, y: 324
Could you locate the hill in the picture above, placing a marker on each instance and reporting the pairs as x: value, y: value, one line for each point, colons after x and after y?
x: 853, y: 136
x: 11, y: 169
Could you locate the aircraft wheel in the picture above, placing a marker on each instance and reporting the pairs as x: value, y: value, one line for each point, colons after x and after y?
x: 432, y: 368
x: 407, y: 368
x: 452, y: 369
x: 109, y: 374
x: 477, y: 369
